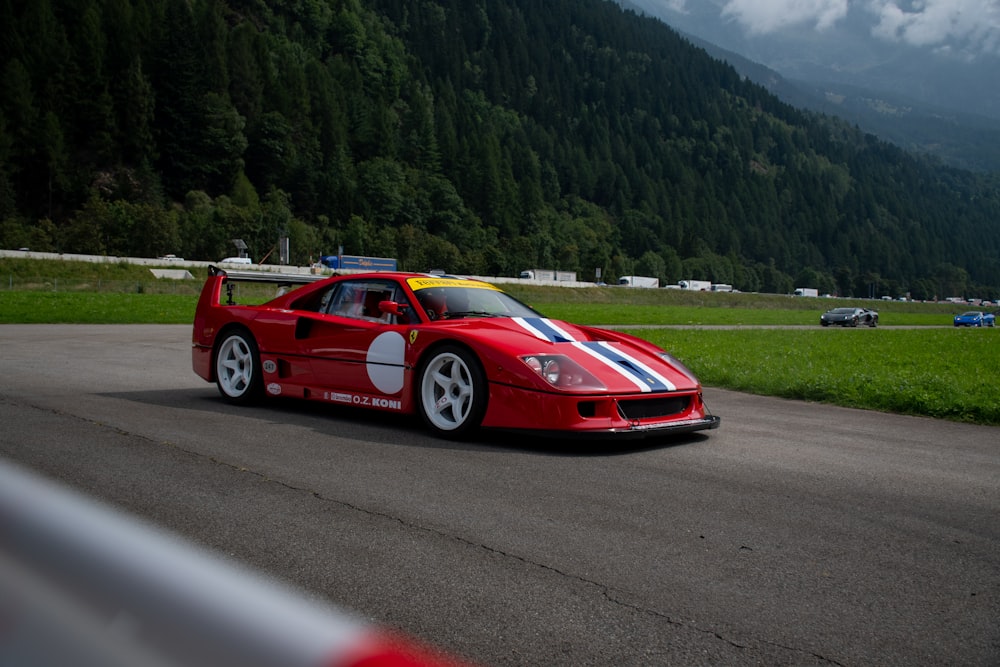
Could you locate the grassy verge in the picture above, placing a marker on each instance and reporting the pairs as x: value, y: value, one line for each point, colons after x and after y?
x: 718, y: 316
x: 941, y: 372
x: 95, y: 308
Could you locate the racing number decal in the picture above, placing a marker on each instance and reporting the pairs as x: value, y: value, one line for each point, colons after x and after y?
x: 385, y: 362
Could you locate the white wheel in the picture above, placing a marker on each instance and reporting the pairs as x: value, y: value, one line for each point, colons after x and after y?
x: 237, y: 368
x: 452, y: 392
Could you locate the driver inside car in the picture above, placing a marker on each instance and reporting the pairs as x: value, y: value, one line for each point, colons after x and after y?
x: 433, y: 301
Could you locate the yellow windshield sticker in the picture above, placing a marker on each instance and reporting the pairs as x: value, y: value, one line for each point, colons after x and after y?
x: 426, y: 283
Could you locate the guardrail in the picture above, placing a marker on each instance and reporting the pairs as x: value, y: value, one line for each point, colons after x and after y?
x: 276, y: 268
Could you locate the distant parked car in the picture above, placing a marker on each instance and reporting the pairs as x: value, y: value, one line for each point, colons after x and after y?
x: 236, y: 260
x: 849, y: 317
x: 975, y: 318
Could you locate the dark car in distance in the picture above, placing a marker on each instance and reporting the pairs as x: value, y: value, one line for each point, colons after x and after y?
x: 849, y: 317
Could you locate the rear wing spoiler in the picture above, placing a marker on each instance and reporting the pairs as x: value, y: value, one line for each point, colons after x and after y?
x: 265, y: 276
x: 283, y: 280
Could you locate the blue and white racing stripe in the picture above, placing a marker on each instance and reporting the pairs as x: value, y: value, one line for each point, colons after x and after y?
x: 545, y: 329
x: 642, y: 376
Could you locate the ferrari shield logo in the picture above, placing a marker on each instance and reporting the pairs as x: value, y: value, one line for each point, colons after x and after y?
x: 413, y: 336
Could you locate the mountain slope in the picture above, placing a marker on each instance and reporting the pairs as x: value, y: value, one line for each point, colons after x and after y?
x: 919, y: 100
x: 477, y: 136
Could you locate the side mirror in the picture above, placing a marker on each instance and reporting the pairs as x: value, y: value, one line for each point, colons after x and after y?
x: 393, y: 307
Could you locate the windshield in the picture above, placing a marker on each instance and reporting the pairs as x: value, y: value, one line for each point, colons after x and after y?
x: 841, y: 311
x: 451, y: 299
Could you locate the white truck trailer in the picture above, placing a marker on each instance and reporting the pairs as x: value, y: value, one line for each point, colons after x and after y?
x: 639, y: 281
x: 538, y: 274
x: 695, y: 285
x: 549, y: 274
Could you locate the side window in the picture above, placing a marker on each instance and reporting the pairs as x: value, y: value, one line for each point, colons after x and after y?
x: 360, y: 300
x: 317, y: 301
x: 346, y: 300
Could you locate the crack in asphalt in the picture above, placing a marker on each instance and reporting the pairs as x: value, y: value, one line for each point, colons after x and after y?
x: 606, y: 591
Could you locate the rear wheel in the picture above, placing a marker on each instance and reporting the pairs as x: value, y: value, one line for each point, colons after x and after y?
x: 237, y: 368
x: 452, y: 393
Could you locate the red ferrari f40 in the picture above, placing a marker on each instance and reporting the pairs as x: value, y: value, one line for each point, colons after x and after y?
x: 460, y: 353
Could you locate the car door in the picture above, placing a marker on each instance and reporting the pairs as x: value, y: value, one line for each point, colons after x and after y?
x: 356, y: 351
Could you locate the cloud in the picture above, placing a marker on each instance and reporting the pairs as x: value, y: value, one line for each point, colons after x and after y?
x: 675, y: 5
x: 760, y: 17
x: 971, y: 26
x: 960, y: 27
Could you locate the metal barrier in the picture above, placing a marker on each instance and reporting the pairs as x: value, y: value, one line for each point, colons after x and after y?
x: 82, y: 584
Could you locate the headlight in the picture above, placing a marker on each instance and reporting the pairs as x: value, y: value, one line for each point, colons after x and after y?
x: 547, y: 367
x: 562, y: 372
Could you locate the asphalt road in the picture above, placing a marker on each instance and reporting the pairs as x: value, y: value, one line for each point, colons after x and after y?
x: 796, y: 534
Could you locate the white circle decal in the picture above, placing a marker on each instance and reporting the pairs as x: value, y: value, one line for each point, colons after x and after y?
x: 385, y: 362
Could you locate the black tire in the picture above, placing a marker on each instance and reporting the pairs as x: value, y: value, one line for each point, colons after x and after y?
x: 238, y: 373
x: 452, y: 391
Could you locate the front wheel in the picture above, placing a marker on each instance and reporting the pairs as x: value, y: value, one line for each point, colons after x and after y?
x: 237, y: 368
x: 453, y: 392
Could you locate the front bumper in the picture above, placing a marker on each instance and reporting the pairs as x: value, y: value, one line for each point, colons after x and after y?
x: 619, y: 417
x: 639, y: 432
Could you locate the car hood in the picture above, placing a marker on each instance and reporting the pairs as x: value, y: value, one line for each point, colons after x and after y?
x: 621, y: 362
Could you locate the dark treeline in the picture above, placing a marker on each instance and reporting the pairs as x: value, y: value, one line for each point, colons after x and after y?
x: 477, y: 136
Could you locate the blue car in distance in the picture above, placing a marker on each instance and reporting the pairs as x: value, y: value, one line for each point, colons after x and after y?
x: 975, y: 318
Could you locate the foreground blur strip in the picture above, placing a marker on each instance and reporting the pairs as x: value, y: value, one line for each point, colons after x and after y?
x: 83, y: 585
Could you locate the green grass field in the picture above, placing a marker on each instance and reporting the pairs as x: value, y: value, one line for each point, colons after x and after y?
x: 940, y: 372
x: 932, y: 370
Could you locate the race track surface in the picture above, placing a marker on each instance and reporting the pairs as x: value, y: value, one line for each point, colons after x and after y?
x: 795, y: 534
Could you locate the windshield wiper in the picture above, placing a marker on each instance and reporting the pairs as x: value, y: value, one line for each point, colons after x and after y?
x: 474, y: 313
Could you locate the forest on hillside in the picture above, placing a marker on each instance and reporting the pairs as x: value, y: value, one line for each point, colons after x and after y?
x: 477, y: 136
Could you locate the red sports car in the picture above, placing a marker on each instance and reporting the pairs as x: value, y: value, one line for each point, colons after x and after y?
x: 461, y: 353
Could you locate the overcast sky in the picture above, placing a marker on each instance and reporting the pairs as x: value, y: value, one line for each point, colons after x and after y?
x: 964, y: 28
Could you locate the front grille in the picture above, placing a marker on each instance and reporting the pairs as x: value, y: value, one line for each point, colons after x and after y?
x: 650, y: 408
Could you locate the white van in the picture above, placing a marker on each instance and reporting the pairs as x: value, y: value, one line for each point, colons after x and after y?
x: 236, y: 260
